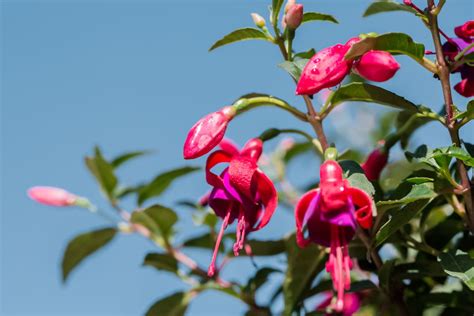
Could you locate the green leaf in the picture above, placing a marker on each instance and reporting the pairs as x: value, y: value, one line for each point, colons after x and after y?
x: 267, y: 247
x: 294, y: 68
x: 459, y: 265
x: 260, y: 278
x: 396, y: 43
x: 174, y: 305
x: 296, y: 150
x: 359, y: 286
x: 399, y: 218
x: 160, y: 183
x: 305, y: 55
x: 303, y: 266
x: 82, y: 246
x: 385, y: 274
x: 364, y: 92
x: 456, y: 152
x: 469, y: 113
x: 161, y: 261
x: 417, y: 192
x: 316, y: 16
x: 205, y: 241
x: 386, y: 6
x: 159, y: 220
x: 103, y: 173
x: 119, y: 160
x: 356, y: 177
x: 240, y: 35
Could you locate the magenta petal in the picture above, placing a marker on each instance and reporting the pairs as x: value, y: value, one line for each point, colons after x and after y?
x: 221, y: 202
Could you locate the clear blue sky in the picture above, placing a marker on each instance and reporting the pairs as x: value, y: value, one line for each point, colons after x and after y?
x: 136, y: 75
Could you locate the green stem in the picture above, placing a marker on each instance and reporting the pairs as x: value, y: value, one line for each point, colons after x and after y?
x: 244, y: 105
x: 312, y: 140
x: 463, y: 52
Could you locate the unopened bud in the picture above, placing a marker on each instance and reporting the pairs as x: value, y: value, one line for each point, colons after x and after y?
x: 376, y: 66
x: 375, y: 163
x: 52, y: 196
x: 294, y: 16
x: 258, y: 20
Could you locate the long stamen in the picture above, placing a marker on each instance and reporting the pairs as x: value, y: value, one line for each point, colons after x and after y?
x: 240, y: 234
x: 212, y: 266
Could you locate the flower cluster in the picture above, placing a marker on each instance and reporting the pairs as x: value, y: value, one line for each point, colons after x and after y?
x: 328, y: 67
x: 453, y: 47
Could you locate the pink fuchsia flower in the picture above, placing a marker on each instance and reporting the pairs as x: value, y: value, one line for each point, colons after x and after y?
x: 373, y: 166
x: 241, y: 192
x: 207, y: 133
x: 466, y: 30
x: 327, y: 68
x: 294, y: 16
x: 330, y: 214
x: 52, y: 196
x: 376, y: 66
x: 352, y: 303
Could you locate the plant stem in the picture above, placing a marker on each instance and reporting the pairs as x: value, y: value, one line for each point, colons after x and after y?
x: 451, y: 122
x: 364, y: 237
x: 313, y: 117
x: 251, y: 103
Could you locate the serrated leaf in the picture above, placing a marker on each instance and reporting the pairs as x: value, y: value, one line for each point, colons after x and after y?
x: 161, y: 182
x: 386, y: 6
x: 303, y: 266
x: 82, y: 246
x: 398, y: 218
x: 243, y: 34
x: 103, y: 172
x: 158, y: 219
x: 161, y: 261
x: 294, y: 68
x: 121, y: 159
x: 364, y: 92
x: 174, y: 305
x: 459, y: 265
x: 316, y: 16
x: 396, y: 43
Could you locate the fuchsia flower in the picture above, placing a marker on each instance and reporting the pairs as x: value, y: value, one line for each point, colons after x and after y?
x: 52, y: 196
x: 373, y: 166
x: 453, y: 47
x: 207, y: 133
x: 376, y: 66
x: 241, y: 192
x: 352, y: 303
x: 329, y: 214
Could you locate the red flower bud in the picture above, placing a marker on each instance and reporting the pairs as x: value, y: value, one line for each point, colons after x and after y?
x: 325, y: 69
x: 376, y: 66
x: 294, y: 16
x: 373, y: 166
x: 207, y: 133
x: 466, y: 30
x: 52, y: 196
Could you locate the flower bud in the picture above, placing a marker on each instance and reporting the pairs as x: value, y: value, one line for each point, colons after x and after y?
x: 207, y: 133
x: 52, y: 196
x: 466, y: 30
x: 258, y: 20
x: 289, y: 4
x: 294, y: 16
x: 376, y: 66
x: 373, y: 166
x: 325, y: 69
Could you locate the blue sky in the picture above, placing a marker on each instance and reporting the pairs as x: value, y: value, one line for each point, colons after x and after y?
x: 130, y: 75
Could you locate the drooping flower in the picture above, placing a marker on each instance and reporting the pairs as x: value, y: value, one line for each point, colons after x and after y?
x: 352, y: 303
x: 466, y: 30
x: 453, y: 47
x: 376, y: 66
x: 374, y: 164
x: 329, y: 215
x: 52, y: 196
x: 241, y: 192
x: 207, y: 133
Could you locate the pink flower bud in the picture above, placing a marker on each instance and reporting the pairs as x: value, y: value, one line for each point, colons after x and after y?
x: 52, y: 196
x: 325, y: 69
x: 258, y: 19
x: 373, y: 166
x: 376, y: 66
x: 466, y: 30
x: 289, y: 4
x: 294, y: 16
x: 207, y: 133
